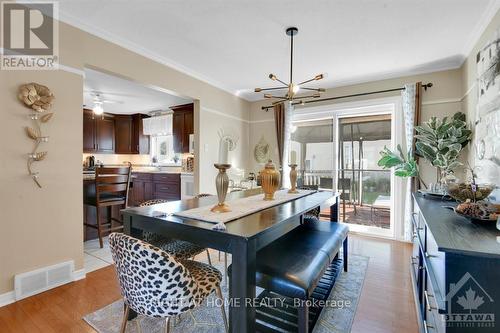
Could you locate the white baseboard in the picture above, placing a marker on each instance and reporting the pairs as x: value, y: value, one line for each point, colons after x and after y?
x: 7, y: 298
x: 10, y: 296
x: 79, y: 274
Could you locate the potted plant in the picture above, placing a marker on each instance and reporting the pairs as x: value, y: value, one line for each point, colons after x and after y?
x: 440, y: 142
x: 404, y: 164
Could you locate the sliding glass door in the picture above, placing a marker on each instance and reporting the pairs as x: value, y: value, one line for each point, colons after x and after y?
x: 365, y: 188
x: 312, y: 147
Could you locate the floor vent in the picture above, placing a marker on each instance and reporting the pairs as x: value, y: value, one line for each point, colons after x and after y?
x: 40, y: 280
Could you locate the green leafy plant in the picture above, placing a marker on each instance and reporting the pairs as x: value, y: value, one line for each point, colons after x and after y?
x: 404, y: 164
x: 440, y: 141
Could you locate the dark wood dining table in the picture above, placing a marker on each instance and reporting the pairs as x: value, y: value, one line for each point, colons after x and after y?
x: 242, y: 238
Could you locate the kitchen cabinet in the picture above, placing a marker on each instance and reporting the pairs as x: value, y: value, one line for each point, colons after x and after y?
x: 183, y: 126
x: 98, y: 133
x: 129, y: 135
x: 124, y: 132
x: 105, y: 138
x: 120, y: 134
x: 142, y: 189
x: 148, y: 186
x: 89, y: 131
x: 140, y: 142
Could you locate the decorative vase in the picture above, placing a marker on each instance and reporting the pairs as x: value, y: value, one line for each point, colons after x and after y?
x: 270, y: 179
x: 221, y: 185
x: 293, y: 178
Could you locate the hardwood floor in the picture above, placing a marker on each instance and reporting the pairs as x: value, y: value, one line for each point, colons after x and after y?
x: 386, y: 303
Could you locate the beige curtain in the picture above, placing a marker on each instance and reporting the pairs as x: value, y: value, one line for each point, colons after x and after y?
x: 412, y: 104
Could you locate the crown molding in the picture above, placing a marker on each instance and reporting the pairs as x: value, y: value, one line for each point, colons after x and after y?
x: 219, y: 113
x: 136, y: 48
x: 485, y: 20
x: 480, y: 27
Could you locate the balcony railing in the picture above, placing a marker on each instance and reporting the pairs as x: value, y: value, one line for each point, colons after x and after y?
x: 361, y: 186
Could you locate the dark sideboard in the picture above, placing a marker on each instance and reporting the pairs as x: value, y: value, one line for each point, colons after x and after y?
x: 455, y: 269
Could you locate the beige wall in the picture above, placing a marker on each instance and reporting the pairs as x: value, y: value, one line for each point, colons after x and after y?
x: 469, y: 86
x: 40, y: 227
x: 443, y: 99
x: 44, y: 226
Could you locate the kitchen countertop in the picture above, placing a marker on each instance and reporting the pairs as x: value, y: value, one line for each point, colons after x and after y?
x: 88, y: 175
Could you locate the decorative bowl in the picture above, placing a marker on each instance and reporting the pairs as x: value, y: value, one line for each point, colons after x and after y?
x: 478, y: 211
x: 463, y: 191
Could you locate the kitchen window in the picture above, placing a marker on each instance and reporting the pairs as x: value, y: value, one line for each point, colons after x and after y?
x: 162, y: 150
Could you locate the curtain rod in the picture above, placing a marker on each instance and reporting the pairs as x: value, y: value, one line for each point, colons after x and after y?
x: 425, y: 86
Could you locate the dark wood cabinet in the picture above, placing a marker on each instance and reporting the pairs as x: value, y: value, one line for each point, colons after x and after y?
x: 105, y: 138
x: 120, y: 134
x: 183, y: 126
x: 89, y: 131
x: 129, y: 135
x: 148, y: 186
x: 140, y: 142
x: 124, y: 131
x: 98, y: 133
x: 142, y: 190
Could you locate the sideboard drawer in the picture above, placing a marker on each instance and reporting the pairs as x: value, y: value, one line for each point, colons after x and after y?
x: 418, y: 228
x: 435, y: 261
x: 435, y: 320
x: 415, y: 256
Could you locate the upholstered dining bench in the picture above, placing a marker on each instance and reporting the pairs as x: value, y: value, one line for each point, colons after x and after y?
x: 293, y: 265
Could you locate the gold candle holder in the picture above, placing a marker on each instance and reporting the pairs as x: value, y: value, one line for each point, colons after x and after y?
x: 221, y: 185
x: 293, y: 178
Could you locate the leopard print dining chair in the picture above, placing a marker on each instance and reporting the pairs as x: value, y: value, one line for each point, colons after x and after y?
x: 155, y: 284
x: 178, y: 248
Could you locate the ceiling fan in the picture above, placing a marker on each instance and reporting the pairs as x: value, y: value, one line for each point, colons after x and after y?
x: 98, y: 101
x: 292, y: 88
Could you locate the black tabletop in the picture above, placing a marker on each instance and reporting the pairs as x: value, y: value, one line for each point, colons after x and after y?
x: 248, y: 226
x: 454, y: 233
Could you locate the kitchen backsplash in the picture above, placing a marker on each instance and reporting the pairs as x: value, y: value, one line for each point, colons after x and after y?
x: 120, y: 158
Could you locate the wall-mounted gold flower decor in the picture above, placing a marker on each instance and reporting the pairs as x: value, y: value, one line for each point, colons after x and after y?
x: 38, y: 98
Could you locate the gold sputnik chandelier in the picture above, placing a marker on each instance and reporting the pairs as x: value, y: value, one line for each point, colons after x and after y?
x: 292, y: 88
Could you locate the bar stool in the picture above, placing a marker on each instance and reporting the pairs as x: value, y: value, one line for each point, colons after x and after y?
x: 111, y: 189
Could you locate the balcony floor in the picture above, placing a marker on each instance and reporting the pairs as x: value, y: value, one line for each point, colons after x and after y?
x: 362, y: 216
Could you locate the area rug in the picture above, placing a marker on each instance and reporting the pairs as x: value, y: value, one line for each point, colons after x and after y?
x: 338, y: 317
